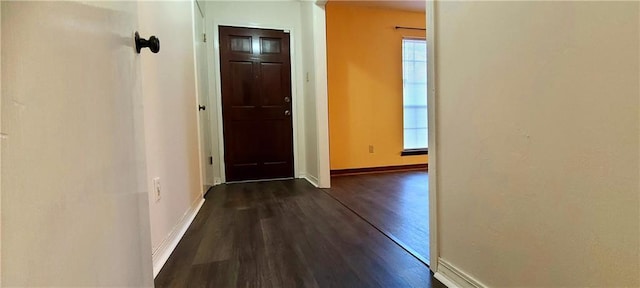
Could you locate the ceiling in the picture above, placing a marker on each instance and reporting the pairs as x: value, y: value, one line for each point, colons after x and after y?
x: 411, y: 5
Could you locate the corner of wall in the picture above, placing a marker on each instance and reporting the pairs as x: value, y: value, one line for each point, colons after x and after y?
x: 313, y: 180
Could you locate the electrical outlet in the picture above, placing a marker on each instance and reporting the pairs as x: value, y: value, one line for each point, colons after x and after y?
x: 156, y: 189
x: 370, y: 148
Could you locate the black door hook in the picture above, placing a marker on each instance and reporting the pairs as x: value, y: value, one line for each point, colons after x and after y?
x: 153, y: 43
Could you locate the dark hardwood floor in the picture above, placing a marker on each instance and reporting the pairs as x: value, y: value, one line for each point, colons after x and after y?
x: 286, y: 234
x: 396, y: 203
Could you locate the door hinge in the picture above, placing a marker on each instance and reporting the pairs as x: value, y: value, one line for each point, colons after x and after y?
x: 204, y: 37
x: 210, y: 160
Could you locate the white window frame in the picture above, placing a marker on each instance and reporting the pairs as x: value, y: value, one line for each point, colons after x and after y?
x: 412, y: 150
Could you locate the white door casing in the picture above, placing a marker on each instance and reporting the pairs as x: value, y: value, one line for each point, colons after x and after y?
x: 204, y: 118
x: 432, y: 113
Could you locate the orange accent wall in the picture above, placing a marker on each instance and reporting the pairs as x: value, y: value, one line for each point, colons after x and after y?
x: 364, y: 55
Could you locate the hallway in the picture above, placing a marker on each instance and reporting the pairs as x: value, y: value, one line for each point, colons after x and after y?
x: 286, y: 234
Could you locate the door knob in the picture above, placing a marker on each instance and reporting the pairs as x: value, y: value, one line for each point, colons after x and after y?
x: 287, y: 99
x: 201, y: 107
x: 153, y: 43
x: 287, y: 112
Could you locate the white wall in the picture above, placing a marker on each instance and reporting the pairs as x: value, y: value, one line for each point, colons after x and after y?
x: 171, y: 131
x: 262, y: 14
x: 0, y: 149
x: 314, y: 50
x: 321, y: 92
x: 538, y: 142
x: 310, y: 125
x: 74, y: 204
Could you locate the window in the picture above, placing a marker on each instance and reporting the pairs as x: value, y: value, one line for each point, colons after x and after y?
x: 414, y: 79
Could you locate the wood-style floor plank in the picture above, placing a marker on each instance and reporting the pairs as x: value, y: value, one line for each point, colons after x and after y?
x: 396, y: 203
x: 286, y: 234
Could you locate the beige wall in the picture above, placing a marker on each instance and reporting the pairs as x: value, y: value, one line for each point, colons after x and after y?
x: 538, y: 142
x: 79, y: 171
x: 74, y: 204
x: 170, y: 116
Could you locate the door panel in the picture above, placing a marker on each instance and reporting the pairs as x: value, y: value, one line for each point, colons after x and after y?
x: 271, y: 84
x: 245, y: 152
x: 205, y: 120
x: 270, y: 45
x: 241, y: 44
x: 256, y: 103
x: 241, y: 87
x: 74, y: 201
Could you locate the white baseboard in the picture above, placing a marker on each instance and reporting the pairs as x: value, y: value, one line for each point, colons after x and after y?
x: 217, y: 181
x: 161, y: 253
x: 453, y: 277
x: 312, y: 179
x: 445, y: 280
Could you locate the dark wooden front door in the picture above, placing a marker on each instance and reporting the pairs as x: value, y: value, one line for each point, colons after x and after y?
x: 256, y: 103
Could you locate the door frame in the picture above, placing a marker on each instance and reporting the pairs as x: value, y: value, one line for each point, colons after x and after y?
x: 431, y: 37
x: 207, y: 126
x: 1, y: 135
x: 295, y: 96
x: 432, y: 103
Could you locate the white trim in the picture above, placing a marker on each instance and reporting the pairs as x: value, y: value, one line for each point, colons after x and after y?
x: 313, y: 180
x: 405, y: 72
x: 296, y: 98
x: 217, y: 101
x: 453, y: 277
x: 203, y: 169
x: 161, y: 254
x: 200, y: 8
x: 260, y: 180
x: 214, y: 92
x: 444, y: 280
x: 432, y: 127
x: 0, y: 147
x: 321, y: 93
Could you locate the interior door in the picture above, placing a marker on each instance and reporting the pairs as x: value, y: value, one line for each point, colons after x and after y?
x: 74, y: 205
x: 256, y: 103
x: 203, y: 96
